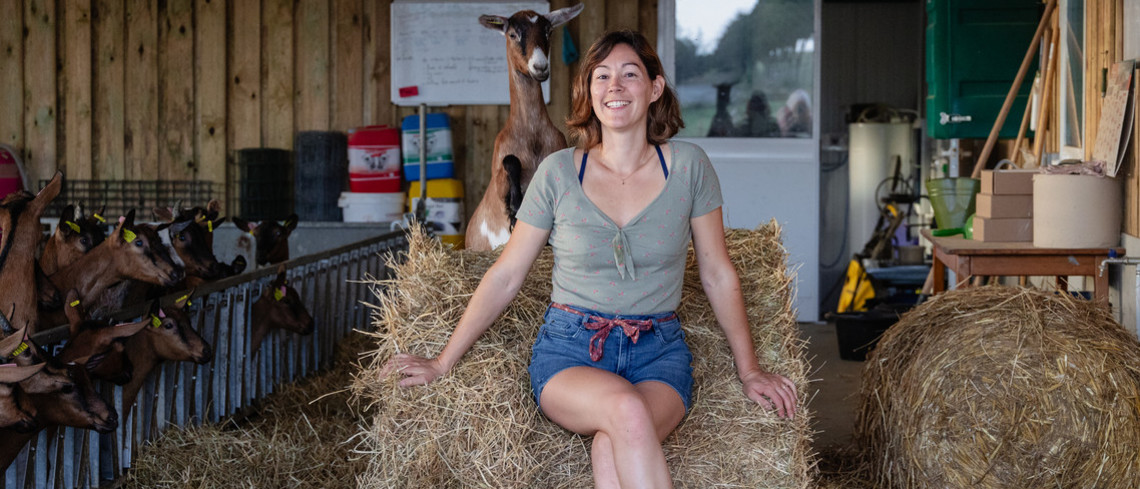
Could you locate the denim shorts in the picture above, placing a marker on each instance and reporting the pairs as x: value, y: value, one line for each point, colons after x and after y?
x: 660, y: 353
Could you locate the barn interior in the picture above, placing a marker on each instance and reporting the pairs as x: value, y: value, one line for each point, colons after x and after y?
x: 907, y: 151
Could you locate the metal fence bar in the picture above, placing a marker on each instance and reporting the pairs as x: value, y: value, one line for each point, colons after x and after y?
x: 184, y: 394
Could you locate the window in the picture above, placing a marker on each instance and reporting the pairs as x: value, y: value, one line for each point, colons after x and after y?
x: 1072, y: 76
x: 745, y: 68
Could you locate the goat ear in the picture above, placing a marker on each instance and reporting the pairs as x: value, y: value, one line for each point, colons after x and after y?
x: 280, y: 280
x: 184, y: 300
x: 494, y: 22
x: 49, y: 192
x: 164, y: 214
x: 563, y: 15
x: 242, y: 224
x: 290, y: 223
x: 66, y: 220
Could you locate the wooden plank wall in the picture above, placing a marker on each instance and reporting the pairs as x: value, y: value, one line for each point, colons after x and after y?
x: 171, y: 89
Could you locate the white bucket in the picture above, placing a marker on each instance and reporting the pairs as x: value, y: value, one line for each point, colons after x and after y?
x: 372, y: 207
x: 1076, y: 211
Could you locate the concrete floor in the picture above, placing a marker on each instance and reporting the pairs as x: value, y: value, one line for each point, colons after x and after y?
x: 834, y: 388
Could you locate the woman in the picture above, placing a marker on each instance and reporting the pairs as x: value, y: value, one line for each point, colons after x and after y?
x: 610, y: 360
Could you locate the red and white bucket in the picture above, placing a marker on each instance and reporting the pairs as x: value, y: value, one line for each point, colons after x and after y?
x: 374, y: 159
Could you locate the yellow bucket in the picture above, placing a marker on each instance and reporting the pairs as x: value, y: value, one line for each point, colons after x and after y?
x: 444, y: 208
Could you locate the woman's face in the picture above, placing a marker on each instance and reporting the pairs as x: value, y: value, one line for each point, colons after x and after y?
x: 621, y: 91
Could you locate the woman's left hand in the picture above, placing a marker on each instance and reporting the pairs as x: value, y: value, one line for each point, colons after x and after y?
x: 771, y: 390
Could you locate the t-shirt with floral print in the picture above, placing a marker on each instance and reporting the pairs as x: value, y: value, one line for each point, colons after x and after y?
x: 633, y: 270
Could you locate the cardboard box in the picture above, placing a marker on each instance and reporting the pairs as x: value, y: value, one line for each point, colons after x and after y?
x: 986, y: 229
x: 1007, y: 182
x: 1003, y: 206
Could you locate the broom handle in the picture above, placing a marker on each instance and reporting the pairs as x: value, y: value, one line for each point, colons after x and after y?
x: 1046, y: 94
x: 980, y: 163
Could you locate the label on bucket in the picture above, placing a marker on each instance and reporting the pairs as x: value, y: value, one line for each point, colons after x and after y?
x: 445, y: 213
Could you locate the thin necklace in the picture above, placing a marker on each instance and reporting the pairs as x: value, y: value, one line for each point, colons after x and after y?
x: 644, y: 161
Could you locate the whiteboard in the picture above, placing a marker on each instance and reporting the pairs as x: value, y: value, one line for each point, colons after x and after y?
x: 440, y: 48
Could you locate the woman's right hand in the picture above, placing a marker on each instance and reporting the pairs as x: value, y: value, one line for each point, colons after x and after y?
x: 415, y: 370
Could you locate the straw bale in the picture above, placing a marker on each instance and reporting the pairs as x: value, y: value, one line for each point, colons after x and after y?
x: 1003, y: 387
x: 298, y: 437
x: 479, y: 426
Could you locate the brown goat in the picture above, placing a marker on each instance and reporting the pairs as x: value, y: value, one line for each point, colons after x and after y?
x: 74, y: 236
x: 169, y: 336
x: 279, y: 307
x: 20, y: 220
x: 272, y: 239
x: 528, y: 135
x: 131, y: 252
x: 191, y: 236
x: 58, y: 395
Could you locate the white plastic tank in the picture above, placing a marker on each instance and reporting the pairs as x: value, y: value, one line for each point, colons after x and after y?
x: 873, y: 147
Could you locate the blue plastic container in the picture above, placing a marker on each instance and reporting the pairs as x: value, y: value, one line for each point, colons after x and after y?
x: 440, y: 162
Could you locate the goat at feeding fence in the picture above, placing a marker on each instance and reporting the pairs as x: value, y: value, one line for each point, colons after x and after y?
x: 279, y: 307
x: 74, y: 236
x: 528, y: 135
x: 20, y: 221
x: 272, y: 239
x: 132, y: 252
x: 193, y: 244
x: 58, y: 395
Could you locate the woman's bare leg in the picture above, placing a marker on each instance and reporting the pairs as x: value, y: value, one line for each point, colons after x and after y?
x: 630, y: 421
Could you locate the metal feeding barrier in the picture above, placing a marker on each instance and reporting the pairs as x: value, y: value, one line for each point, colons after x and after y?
x: 183, y: 394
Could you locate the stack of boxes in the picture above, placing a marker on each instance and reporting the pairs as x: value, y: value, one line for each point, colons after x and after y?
x: 1004, y: 206
x: 444, y: 202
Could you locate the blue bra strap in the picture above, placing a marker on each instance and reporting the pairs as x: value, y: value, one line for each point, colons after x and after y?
x: 661, y: 156
x: 582, y: 171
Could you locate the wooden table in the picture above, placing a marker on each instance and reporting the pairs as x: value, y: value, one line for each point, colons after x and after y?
x: 968, y: 258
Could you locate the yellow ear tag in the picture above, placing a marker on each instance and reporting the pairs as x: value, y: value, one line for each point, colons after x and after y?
x: 251, y: 233
x: 128, y: 235
x: 20, y: 349
x: 185, y: 298
x: 278, y: 294
x: 155, y: 321
x: 98, y: 218
x: 72, y: 225
x: 210, y: 226
x: 285, y: 224
x: 75, y: 303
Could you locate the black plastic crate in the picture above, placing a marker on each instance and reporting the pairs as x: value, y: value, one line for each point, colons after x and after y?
x: 266, y: 185
x: 859, y: 332
x: 120, y: 196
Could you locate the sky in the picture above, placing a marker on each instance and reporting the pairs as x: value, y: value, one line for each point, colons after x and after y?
x: 708, y: 19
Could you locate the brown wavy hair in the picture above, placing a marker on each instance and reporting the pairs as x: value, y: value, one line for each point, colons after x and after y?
x: 664, y: 117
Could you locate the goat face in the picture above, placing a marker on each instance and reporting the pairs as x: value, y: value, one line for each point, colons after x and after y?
x: 528, y: 38
x: 272, y: 238
x: 171, y: 336
x: 191, y: 244
x: 280, y: 307
x: 16, y: 413
x: 64, y: 395
x: 142, y: 255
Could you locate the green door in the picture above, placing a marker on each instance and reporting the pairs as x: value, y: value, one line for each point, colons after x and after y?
x: 973, y: 51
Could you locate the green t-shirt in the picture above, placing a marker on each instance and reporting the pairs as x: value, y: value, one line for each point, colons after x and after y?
x: 633, y: 270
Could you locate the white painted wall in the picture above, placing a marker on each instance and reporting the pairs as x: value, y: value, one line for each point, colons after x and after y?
x: 782, y: 183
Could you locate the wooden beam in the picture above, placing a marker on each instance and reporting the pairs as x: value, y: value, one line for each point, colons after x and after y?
x: 244, y: 94
x: 12, y: 78
x: 41, y: 109
x: 277, y: 74
x: 140, y: 140
x: 210, y: 93
x: 75, y: 33
x: 347, y: 65
x: 312, y: 64
x: 109, y: 17
x: 176, y: 89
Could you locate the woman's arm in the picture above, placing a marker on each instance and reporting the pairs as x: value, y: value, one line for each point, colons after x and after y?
x: 497, y: 288
x: 722, y: 286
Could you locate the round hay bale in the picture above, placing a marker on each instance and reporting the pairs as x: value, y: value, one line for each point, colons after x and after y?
x: 1003, y: 387
x: 478, y: 426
